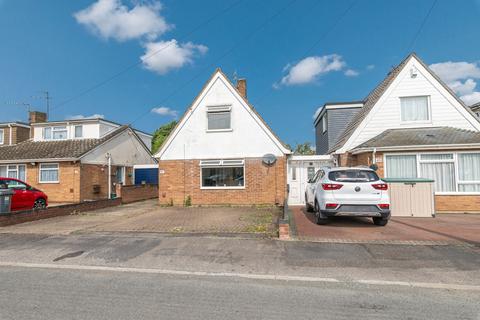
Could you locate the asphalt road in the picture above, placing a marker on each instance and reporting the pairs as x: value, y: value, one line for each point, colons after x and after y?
x: 37, y: 293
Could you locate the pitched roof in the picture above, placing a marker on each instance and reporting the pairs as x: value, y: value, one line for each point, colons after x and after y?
x: 182, y: 119
x: 377, y: 93
x: 422, y: 137
x: 60, y: 149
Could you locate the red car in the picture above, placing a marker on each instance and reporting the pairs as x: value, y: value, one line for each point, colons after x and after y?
x: 25, y: 196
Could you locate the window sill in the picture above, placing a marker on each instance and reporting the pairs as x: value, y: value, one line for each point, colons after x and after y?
x: 49, y: 182
x: 406, y: 123
x: 452, y: 193
x: 220, y: 130
x: 222, y: 188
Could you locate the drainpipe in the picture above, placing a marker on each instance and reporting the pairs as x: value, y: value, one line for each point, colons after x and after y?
x: 10, y: 135
x: 109, y: 157
x: 374, y: 155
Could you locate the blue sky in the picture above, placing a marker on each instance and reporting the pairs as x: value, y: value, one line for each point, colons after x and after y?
x: 67, y: 47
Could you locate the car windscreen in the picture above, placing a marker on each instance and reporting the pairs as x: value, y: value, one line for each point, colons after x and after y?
x: 353, y: 176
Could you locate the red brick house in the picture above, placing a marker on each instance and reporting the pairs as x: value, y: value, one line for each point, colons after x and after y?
x: 412, y: 125
x: 74, y: 160
x: 222, y: 152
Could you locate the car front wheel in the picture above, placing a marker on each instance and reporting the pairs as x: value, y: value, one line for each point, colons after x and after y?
x: 308, y: 207
x: 40, y: 204
x: 380, y: 221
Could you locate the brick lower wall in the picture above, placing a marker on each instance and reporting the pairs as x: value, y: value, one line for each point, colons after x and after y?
x: 263, y: 184
x: 68, y: 187
x: 32, y: 215
x: 137, y: 193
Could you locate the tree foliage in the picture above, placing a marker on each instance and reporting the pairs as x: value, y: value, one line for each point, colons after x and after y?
x: 304, y: 148
x: 161, y: 134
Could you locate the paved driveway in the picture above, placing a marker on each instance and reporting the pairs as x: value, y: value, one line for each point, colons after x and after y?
x: 148, y: 216
x: 444, y: 228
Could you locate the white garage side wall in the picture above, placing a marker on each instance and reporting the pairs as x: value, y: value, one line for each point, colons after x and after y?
x: 125, y: 150
x: 248, y: 137
x: 445, y: 110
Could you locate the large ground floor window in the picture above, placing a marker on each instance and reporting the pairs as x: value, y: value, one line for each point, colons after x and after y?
x: 452, y: 172
x: 222, y: 174
x: 48, y: 173
x: 16, y: 171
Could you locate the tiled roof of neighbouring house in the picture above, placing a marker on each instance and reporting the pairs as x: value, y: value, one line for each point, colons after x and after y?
x: 377, y: 93
x: 422, y: 137
x: 60, y: 149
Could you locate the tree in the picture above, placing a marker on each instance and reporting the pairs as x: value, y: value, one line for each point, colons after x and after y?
x: 161, y: 134
x: 304, y: 148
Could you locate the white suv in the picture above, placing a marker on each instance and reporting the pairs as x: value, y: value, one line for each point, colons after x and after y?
x: 342, y: 191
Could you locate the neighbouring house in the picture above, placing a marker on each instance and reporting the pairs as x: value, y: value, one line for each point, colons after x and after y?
x: 476, y: 109
x: 13, y: 132
x: 412, y: 125
x: 222, y: 152
x: 76, y: 160
x: 331, y: 120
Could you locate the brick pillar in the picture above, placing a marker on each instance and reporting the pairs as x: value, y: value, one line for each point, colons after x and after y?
x: 118, y: 190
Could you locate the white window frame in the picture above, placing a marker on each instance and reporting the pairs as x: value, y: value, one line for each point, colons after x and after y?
x: 54, y: 129
x: 2, y: 138
x: 324, y: 123
x: 219, y: 109
x: 227, y: 163
x: 429, y: 111
x: 17, y: 170
x: 75, y: 131
x: 40, y: 173
x: 455, y: 161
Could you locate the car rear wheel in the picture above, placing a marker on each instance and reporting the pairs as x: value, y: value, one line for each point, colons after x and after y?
x: 380, y: 221
x: 319, y: 217
x: 40, y: 204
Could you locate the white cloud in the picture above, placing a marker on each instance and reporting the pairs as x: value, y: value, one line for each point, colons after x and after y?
x: 311, y: 68
x: 351, y: 73
x: 164, y: 111
x: 163, y: 56
x: 112, y: 19
x: 80, y: 116
x: 450, y: 71
x: 460, y: 77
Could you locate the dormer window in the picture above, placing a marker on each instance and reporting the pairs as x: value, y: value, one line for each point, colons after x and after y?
x: 55, y: 133
x: 1, y: 136
x: 219, y: 118
x: 414, y: 109
x: 79, y: 131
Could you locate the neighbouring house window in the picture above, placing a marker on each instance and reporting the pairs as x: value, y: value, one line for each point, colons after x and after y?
x: 1, y: 136
x: 401, y: 166
x: 222, y: 173
x: 469, y: 172
x: 324, y: 123
x: 414, y: 109
x: 55, y: 133
x: 13, y: 171
x: 310, y: 172
x: 48, y: 173
x: 219, y: 118
x: 78, y: 131
x: 441, y: 168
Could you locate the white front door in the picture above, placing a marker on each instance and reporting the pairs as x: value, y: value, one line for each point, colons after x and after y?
x: 294, y: 196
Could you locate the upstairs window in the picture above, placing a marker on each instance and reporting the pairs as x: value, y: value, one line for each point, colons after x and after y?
x: 78, y: 131
x: 55, y: 133
x: 219, y: 118
x: 1, y: 136
x: 324, y: 123
x: 414, y: 109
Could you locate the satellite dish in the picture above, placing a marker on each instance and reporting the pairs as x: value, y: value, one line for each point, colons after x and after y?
x: 269, y: 159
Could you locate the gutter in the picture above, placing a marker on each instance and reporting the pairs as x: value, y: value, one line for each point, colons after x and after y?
x: 38, y: 160
x: 418, y: 147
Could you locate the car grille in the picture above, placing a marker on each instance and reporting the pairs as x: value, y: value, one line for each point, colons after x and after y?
x: 358, y: 208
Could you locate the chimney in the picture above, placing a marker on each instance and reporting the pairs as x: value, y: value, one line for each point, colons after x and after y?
x: 37, y: 116
x: 242, y: 87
